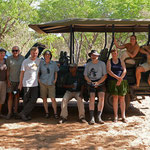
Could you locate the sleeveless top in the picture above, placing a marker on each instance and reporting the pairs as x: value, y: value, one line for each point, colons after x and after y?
x: 116, y: 69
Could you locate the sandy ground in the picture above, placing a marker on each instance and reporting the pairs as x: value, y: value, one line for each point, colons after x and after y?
x: 44, y: 134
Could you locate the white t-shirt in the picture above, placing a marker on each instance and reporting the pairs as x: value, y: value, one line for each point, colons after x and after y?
x: 31, y: 69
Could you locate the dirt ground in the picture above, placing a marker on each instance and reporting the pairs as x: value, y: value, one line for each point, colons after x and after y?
x: 44, y: 134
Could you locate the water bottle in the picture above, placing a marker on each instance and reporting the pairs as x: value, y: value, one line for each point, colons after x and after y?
x: 75, y: 85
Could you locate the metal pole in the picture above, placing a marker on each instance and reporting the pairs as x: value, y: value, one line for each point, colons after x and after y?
x: 113, y: 32
x: 148, y: 35
x: 105, y: 39
x: 70, y: 44
x: 73, y: 46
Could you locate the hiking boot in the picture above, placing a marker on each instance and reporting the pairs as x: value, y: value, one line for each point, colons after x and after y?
x: 82, y: 120
x: 100, y: 121
x: 62, y: 120
x: 23, y: 117
x: 92, y: 121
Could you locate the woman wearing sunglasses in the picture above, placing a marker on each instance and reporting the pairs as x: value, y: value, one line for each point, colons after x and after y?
x: 47, y: 79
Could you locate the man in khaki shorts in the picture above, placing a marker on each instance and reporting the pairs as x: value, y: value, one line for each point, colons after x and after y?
x: 143, y: 67
x: 14, y: 63
x: 73, y: 82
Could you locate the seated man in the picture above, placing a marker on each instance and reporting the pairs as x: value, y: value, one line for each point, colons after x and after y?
x: 132, y: 49
x: 143, y: 67
x: 73, y: 84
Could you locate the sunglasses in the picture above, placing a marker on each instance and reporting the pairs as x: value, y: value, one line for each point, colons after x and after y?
x: 15, y: 50
x: 48, y: 71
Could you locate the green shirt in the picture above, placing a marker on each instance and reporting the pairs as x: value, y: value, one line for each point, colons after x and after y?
x: 14, y: 66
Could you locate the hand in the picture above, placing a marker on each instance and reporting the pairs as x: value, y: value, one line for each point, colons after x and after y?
x: 9, y: 83
x: 54, y: 81
x: 118, y: 83
x: 20, y: 86
x: 96, y: 84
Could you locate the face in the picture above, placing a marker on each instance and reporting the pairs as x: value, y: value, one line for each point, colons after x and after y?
x: 2, y: 55
x: 114, y: 54
x: 47, y: 56
x: 132, y: 40
x: 94, y: 57
x: 34, y: 54
x: 72, y: 69
x: 15, y: 51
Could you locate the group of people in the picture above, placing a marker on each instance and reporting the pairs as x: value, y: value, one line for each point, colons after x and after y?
x: 17, y: 73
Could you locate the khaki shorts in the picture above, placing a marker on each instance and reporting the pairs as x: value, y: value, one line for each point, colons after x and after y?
x: 2, y: 92
x: 47, y: 91
x: 146, y: 66
x: 13, y: 87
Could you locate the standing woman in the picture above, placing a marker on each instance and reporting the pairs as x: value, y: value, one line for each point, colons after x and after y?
x: 117, y: 83
x: 3, y: 78
x: 47, y: 79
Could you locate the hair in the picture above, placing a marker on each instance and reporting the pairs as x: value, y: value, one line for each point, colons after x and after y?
x: 133, y: 36
x: 2, y: 50
x: 34, y: 49
x: 16, y: 47
x: 114, y: 50
x: 47, y: 50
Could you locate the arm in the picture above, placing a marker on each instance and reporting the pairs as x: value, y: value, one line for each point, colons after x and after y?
x: 124, y: 69
x: 117, y: 45
x: 21, y: 80
x: 110, y: 72
x: 55, y: 77
x: 143, y: 51
x: 87, y: 79
x: 135, y: 52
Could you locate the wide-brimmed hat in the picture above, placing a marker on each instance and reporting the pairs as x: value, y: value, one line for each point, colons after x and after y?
x: 73, y: 65
x: 93, y: 52
x: 2, y: 50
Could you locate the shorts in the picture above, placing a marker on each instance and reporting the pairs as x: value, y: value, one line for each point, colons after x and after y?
x: 2, y: 92
x: 100, y: 88
x: 120, y: 90
x: 146, y: 66
x: 13, y: 87
x: 47, y: 91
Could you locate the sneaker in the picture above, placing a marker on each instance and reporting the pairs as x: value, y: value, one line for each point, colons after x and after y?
x: 82, y: 120
x: 100, y: 121
x: 62, y: 120
x: 92, y: 121
x: 124, y: 120
x: 8, y: 116
x: 56, y: 116
x: 47, y: 115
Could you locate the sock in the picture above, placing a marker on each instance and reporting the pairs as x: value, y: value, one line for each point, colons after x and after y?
x: 91, y: 114
x: 99, y: 113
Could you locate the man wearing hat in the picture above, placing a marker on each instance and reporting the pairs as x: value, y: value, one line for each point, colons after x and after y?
x: 3, y: 78
x: 73, y: 82
x: 95, y: 74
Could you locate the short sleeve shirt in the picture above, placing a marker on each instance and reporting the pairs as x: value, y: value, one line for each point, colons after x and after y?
x: 14, y: 66
x: 31, y: 69
x: 47, y: 72
x: 95, y: 71
x: 70, y: 80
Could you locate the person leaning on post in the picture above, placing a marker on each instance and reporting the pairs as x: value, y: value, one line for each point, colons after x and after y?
x: 95, y: 74
x: 29, y: 83
x: 3, y: 78
x: 14, y: 63
x: 47, y: 79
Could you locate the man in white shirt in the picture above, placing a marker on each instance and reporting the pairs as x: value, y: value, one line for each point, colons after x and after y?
x: 29, y: 82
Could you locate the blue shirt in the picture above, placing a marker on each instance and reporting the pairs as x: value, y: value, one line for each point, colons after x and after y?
x: 47, y: 72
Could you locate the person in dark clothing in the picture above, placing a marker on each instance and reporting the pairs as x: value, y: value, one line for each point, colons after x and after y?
x: 117, y: 83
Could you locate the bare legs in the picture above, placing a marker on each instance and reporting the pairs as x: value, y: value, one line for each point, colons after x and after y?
x: 115, y: 106
x: 139, y: 70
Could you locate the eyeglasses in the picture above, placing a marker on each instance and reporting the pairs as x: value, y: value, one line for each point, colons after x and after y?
x: 48, y: 71
x: 14, y: 50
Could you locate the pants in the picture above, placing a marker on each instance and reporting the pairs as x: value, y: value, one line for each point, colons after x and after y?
x: 67, y: 97
x: 29, y: 99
